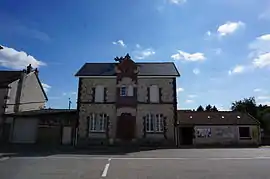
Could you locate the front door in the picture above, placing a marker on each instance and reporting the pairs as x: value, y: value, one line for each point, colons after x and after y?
x: 126, y: 126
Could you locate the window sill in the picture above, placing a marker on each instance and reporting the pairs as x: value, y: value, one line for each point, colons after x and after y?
x: 97, y: 132
x: 155, y: 132
x: 245, y: 138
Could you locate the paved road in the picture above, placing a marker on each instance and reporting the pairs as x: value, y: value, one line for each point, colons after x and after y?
x: 156, y: 164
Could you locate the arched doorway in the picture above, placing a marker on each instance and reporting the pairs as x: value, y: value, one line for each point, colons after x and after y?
x: 126, y: 125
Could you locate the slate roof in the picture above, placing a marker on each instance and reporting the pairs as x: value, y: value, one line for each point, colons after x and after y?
x: 43, y: 112
x: 7, y: 77
x: 145, y: 69
x: 215, y: 118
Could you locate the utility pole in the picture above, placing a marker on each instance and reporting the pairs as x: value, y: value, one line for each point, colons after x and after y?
x: 69, y: 103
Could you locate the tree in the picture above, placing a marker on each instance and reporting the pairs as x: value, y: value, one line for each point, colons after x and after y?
x: 246, y: 105
x: 249, y: 105
x: 200, y: 108
x: 208, y: 107
x: 214, y: 109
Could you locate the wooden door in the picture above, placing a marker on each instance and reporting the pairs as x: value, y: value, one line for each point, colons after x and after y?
x: 126, y: 125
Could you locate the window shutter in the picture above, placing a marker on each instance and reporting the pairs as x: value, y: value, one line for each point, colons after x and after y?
x: 148, y: 94
x: 93, y: 94
x: 88, y: 125
x: 105, y: 94
x: 99, y: 94
x: 130, y: 90
x: 154, y: 94
x: 160, y: 95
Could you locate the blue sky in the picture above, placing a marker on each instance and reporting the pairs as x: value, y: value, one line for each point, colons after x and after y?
x: 221, y: 47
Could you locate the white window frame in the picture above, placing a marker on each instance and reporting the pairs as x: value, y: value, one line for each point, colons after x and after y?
x: 97, y: 122
x: 154, y: 123
x: 154, y: 94
x: 123, y: 91
x: 159, y: 123
x: 99, y: 94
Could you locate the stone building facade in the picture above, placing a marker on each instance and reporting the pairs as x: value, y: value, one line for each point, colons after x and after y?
x: 127, y: 101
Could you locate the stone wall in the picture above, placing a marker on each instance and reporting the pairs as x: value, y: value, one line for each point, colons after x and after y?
x: 89, y: 83
x: 166, y: 85
x: 224, y: 135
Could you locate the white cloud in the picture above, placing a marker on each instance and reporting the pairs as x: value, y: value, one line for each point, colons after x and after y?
x: 181, y: 55
x: 263, y: 97
x: 237, y: 69
x: 119, y: 42
x: 11, y: 58
x: 196, y: 71
x: 264, y: 37
x: 189, y: 101
x: 260, y: 51
x: 192, y: 96
x: 258, y: 90
x: 179, y: 90
x: 46, y: 87
x: 144, y: 53
x: 262, y: 60
x: 229, y: 28
x: 177, y: 1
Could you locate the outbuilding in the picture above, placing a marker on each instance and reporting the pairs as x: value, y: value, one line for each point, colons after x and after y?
x: 217, y: 128
x: 45, y: 127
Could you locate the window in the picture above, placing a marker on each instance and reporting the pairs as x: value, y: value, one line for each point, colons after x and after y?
x: 154, y: 94
x: 99, y: 94
x: 97, y: 122
x: 123, y: 91
x: 154, y: 123
x: 244, y: 132
x: 126, y: 91
x: 159, y: 123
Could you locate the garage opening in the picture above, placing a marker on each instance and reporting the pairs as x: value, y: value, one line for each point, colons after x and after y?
x: 49, y: 135
x: 24, y: 130
x: 186, y: 135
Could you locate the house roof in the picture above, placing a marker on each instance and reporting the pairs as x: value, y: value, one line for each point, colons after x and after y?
x: 215, y: 118
x: 7, y: 77
x: 145, y: 69
x: 42, y: 112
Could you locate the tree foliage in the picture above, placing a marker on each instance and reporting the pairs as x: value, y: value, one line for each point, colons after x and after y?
x: 200, y: 108
x: 214, y: 109
x: 259, y: 112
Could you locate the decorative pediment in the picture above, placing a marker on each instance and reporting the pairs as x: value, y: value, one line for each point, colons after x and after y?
x: 126, y: 65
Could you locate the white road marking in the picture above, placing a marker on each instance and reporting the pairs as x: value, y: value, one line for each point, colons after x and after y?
x: 141, y: 158
x: 64, y: 157
x: 231, y: 158
x: 4, y: 158
x: 105, y: 171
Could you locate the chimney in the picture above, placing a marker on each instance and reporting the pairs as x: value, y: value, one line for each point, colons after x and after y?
x: 36, y: 71
x: 28, y: 69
